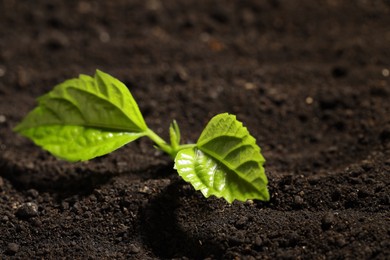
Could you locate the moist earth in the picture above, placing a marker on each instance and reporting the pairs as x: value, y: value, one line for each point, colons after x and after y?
x: 310, y: 80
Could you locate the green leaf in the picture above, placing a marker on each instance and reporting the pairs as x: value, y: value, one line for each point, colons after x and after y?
x: 226, y: 162
x: 78, y: 143
x: 84, y: 118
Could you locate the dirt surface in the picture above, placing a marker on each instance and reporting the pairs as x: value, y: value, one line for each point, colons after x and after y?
x: 310, y: 79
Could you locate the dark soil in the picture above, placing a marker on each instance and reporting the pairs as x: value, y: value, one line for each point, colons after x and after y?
x: 310, y: 79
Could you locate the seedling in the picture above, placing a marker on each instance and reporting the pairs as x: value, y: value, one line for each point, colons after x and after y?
x: 86, y: 117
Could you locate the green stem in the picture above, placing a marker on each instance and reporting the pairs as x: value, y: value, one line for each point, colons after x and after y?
x: 159, y: 141
x: 164, y: 146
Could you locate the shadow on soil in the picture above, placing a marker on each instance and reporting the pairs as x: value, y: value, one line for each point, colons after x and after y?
x: 80, y: 183
x: 161, y: 230
x: 74, y: 181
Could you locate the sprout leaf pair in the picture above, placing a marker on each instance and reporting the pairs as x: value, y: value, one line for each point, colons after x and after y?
x: 86, y: 117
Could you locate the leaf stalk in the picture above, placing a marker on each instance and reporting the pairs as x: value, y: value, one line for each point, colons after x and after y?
x: 170, y: 149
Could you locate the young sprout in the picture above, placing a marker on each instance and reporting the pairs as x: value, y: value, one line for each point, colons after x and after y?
x: 86, y: 117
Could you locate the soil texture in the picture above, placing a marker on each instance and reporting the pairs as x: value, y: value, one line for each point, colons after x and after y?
x: 309, y: 79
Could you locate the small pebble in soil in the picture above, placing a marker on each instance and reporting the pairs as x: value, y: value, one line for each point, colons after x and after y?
x: 5, y: 219
x: 340, y: 241
x: 145, y: 190
x: 309, y: 100
x: 327, y: 221
x: 258, y: 241
x: 12, y: 248
x: 104, y: 36
x: 3, y: 119
x: 36, y: 222
x: 1, y: 182
x: 134, y: 249
x: 33, y: 193
x: 249, y: 86
x: 385, y: 72
x: 27, y: 210
x: 298, y: 200
x: 30, y: 165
